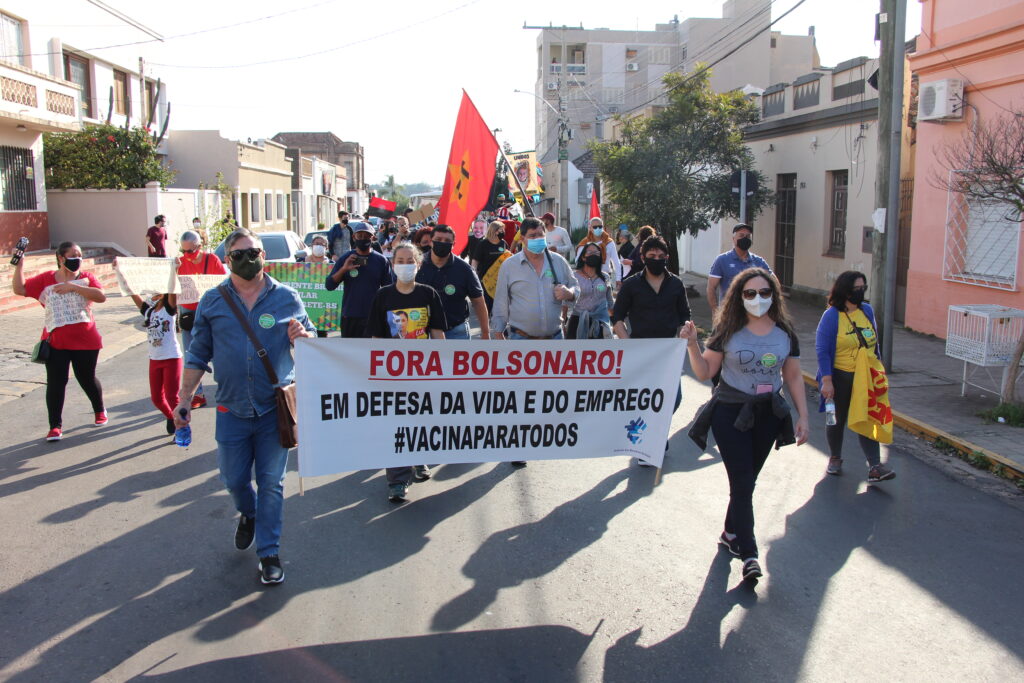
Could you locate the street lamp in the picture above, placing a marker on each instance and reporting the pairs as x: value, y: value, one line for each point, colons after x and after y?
x: 563, y: 153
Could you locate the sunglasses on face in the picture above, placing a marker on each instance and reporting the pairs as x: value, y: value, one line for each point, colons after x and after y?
x: 249, y: 254
x: 860, y: 289
x: 749, y: 294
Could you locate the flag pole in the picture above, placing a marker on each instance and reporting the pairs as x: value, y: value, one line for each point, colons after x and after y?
x: 522, y: 191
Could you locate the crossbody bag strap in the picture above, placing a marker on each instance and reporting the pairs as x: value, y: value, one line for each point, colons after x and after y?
x: 206, y: 263
x: 860, y: 335
x: 554, y: 274
x: 260, y: 350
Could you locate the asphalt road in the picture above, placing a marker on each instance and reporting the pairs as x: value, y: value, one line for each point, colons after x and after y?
x: 120, y: 565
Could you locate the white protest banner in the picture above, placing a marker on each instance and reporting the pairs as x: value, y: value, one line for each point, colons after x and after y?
x: 194, y: 286
x: 146, y: 276
x: 65, y: 309
x: 372, y: 403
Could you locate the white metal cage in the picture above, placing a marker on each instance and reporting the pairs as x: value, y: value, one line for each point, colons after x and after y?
x: 983, y: 334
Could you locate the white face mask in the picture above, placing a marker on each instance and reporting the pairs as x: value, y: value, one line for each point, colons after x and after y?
x: 598, y: 232
x: 405, y: 272
x: 758, y: 306
x: 319, y: 250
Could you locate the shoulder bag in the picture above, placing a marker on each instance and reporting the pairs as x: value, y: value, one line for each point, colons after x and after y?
x: 284, y: 397
x: 41, y: 351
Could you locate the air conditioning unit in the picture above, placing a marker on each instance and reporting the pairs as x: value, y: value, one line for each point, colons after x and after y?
x: 613, y: 110
x: 552, y: 86
x: 632, y: 66
x: 941, y: 100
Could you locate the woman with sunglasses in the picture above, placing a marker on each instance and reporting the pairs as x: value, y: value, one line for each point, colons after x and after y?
x: 757, y: 352
x: 593, y: 307
x: 847, y: 323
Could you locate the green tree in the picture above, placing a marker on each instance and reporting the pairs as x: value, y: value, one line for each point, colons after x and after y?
x: 671, y: 170
x: 103, y: 157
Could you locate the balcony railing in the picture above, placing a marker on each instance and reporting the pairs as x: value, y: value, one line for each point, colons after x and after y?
x: 30, y: 97
x: 578, y: 69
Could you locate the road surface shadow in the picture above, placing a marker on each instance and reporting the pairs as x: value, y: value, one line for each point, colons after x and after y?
x: 532, y: 653
x: 527, y: 551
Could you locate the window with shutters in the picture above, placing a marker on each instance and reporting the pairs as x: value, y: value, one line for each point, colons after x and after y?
x: 12, y: 41
x: 77, y: 70
x: 839, y: 185
x: 122, y: 95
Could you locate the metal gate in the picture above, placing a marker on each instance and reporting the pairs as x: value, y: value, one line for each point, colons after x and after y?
x: 785, y: 228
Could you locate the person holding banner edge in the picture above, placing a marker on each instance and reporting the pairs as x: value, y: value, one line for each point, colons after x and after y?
x: 757, y: 351
x: 247, y: 431
x: 407, y: 310
x: 195, y: 261
x: 74, y: 346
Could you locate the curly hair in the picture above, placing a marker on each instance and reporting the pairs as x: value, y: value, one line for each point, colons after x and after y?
x: 731, y: 316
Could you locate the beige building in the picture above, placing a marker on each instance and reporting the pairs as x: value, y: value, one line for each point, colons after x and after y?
x: 334, y: 150
x: 259, y: 174
x: 817, y: 143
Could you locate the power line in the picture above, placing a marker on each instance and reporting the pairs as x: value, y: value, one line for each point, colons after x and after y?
x: 181, y: 35
x: 322, y: 52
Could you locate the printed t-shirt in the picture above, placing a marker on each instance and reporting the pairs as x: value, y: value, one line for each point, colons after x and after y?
x: 160, y: 331
x: 753, y: 363
x: 847, y: 341
x: 394, y: 315
x: 208, y: 264
x: 74, y: 337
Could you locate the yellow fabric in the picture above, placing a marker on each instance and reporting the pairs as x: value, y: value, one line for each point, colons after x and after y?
x: 490, y: 279
x: 870, y: 412
x: 847, y: 342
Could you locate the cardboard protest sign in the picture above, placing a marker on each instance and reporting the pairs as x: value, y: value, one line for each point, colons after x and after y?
x: 322, y: 307
x: 194, y: 286
x: 65, y: 309
x: 146, y: 276
x: 372, y: 403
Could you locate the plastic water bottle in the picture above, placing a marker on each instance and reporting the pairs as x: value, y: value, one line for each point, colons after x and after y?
x: 183, y: 435
x: 830, y: 412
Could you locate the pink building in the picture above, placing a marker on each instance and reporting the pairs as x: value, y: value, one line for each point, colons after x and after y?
x: 962, y: 252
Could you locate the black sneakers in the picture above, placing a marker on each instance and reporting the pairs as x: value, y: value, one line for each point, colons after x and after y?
x: 245, y: 533
x: 752, y: 570
x: 270, y: 570
x: 518, y: 463
x: 730, y: 544
x: 170, y: 426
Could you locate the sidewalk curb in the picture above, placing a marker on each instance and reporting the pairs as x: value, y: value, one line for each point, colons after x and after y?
x: 932, y: 434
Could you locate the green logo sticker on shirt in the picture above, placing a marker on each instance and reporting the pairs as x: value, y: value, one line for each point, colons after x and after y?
x: 354, y: 272
x: 868, y: 333
x: 414, y: 315
x: 267, y: 321
x: 449, y: 289
x: 548, y: 273
x: 501, y: 250
x: 600, y: 288
x: 769, y: 360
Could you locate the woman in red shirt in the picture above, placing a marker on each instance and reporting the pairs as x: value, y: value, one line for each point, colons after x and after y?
x: 74, y: 339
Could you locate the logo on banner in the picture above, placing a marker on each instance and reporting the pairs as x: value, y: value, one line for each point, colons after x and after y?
x: 635, y: 430
x: 266, y: 321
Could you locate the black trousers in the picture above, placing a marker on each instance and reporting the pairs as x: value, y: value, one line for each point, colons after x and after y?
x: 842, y: 382
x: 353, y: 328
x: 84, y: 365
x: 744, y: 454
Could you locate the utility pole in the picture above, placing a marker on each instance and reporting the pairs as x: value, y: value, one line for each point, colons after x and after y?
x: 895, y: 148
x: 887, y: 175
x: 563, y: 164
x: 143, y: 109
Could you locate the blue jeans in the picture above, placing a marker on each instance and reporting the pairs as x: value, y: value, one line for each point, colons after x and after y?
x: 245, y: 445
x: 186, y: 341
x: 458, y: 332
x: 516, y: 335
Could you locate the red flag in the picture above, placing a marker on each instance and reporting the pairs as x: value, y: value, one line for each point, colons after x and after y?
x: 595, y: 210
x: 467, y: 183
x: 381, y: 207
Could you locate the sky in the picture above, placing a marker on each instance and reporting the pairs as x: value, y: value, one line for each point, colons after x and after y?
x: 390, y: 75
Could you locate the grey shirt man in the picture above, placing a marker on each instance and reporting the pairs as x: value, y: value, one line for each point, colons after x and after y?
x: 525, y: 300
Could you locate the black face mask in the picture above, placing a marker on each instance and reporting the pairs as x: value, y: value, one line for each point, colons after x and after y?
x: 856, y: 297
x: 73, y: 264
x: 425, y: 248
x: 592, y: 260
x: 744, y: 243
x: 441, y: 249
x: 655, y: 266
x: 362, y: 245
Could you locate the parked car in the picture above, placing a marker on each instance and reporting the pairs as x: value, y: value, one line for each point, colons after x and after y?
x: 283, y: 246
x: 308, y: 239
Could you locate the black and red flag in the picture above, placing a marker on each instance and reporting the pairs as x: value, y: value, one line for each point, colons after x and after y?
x: 381, y: 208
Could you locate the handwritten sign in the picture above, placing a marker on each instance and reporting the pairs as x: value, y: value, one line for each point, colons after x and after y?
x: 65, y: 309
x: 194, y: 286
x: 146, y: 276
